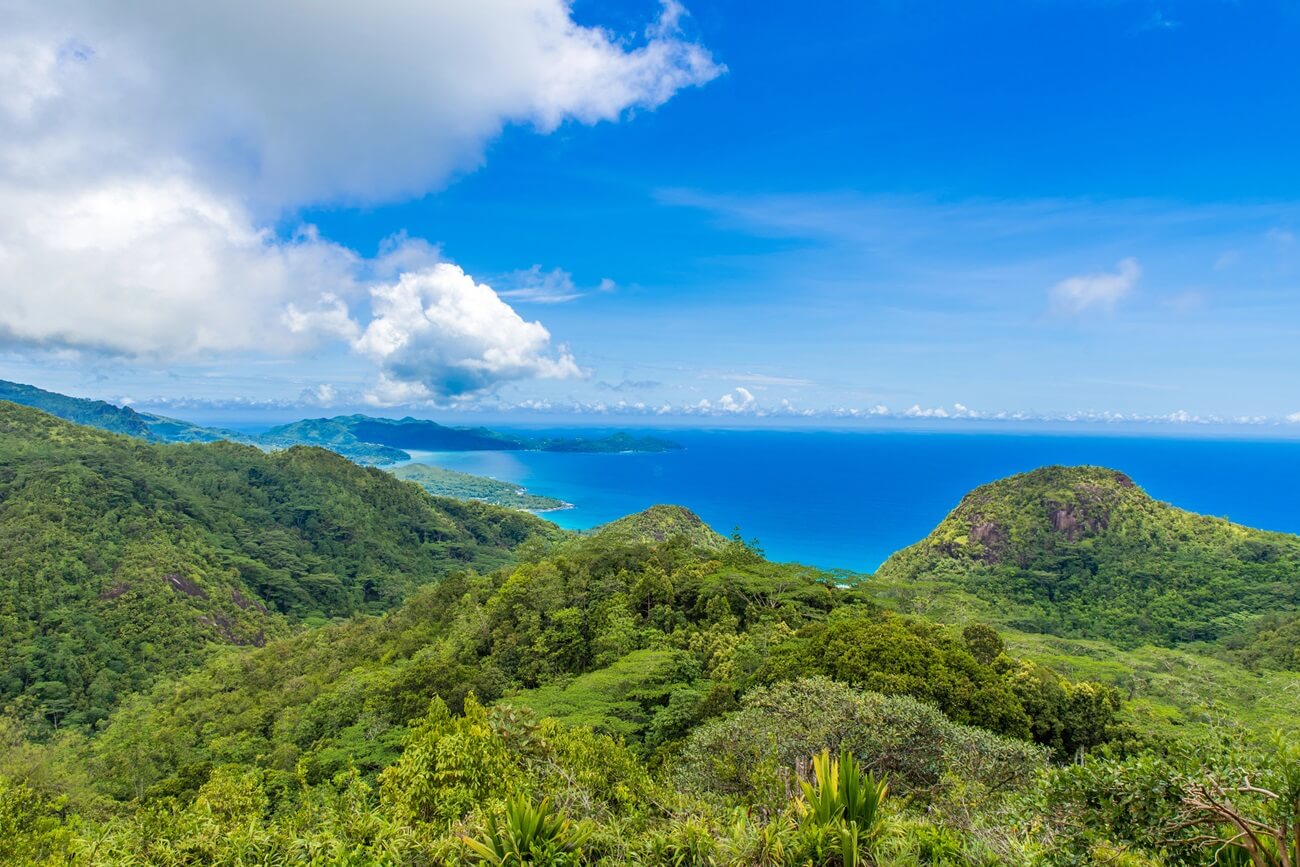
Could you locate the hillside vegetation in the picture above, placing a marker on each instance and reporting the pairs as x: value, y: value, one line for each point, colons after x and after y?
x: 439, y: 683
x: 114, y: 419
x: 603, y: 673
x: 125, y: 560
x: 660, y: 523
x: 1084, y: 552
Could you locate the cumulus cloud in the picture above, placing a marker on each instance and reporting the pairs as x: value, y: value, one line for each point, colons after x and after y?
x: 160, y: 269
x: 1102, y: 290
x: 739, y: 400
x: 322, y: 395
x: 147, y: 147
x: 438, y: 334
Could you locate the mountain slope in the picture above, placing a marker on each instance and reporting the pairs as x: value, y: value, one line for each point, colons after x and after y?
x: 114, y: 419
x: 661, y: 523
x: 643, y: 641
x: 124, y: 560
x: 1084, y: 552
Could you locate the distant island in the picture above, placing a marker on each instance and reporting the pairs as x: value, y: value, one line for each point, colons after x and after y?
x: 366, y: 440
x: 383, y: 442
x: 362, y: 439
x: 463, y: 486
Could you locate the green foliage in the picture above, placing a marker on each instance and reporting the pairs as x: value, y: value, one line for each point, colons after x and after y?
x: 841, y: 810
x: 33, y: 829
x: 447, y: 683
x: 1202, y: 802
x: 449, y: 766
x: 114, y: 419
x: 661, y: 523
x: 752, y: 755
x: 530, y: 834
x: 983, y: 642
x: 902, y: 656
x: 1082, y: 551
x: 124, y: 561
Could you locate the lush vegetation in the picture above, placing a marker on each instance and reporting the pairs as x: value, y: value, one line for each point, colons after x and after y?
x: 443, y: 683
x: 463, y: 486
x: 124, y: 560
x: 115, y: 419
x: 1083, y: 552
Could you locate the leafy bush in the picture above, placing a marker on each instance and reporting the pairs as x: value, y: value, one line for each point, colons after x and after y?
x: 754, y: 754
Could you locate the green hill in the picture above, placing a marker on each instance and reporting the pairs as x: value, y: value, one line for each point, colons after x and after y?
x: 333, y: 435
x: 639, y: 640
x: 124, y: 560
x: 1085, y: 552
x: 115, y: 419
x: 663, y: 689
x: 661, y: 523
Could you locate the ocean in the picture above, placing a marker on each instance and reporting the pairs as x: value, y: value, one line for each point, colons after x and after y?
x: 850, y: 499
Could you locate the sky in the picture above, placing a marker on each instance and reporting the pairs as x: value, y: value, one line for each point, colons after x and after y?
x: 749, y: 211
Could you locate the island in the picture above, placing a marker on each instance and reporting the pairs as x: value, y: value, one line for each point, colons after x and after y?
x: 462, y: 486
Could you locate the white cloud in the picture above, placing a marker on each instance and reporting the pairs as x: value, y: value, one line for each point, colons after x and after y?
x: 323, y: 395
x: 160, y: 269
x: 145, y: 147
x: 759, y: 379
x: 741, y: 400
x: 1103, y: 290
x: 547, y: 287
x: 295, y: 101
x: 541, y: 287
x: 438, y: 334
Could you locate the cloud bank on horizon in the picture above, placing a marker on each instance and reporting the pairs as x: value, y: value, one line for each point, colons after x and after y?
x: 147, y: 150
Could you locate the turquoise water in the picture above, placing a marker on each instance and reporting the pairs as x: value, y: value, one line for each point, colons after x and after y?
x: 849, y: 500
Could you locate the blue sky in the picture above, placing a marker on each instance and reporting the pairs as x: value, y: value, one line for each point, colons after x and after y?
x: 765, y: 211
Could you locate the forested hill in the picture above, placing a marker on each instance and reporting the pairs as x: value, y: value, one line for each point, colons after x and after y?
x: 123, y: 560
x: 1084, y: 551
x: 649, y: 693
x: 644, y: 686
x: 107, y: 416
x: 662, y: 523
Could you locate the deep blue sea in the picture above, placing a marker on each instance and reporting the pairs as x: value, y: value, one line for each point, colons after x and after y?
x: 850, y: 499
